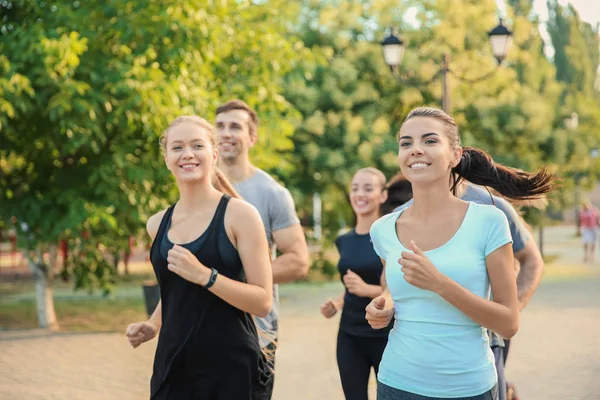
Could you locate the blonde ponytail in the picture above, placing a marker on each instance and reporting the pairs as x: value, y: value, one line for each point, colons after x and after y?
x: 222, y: 184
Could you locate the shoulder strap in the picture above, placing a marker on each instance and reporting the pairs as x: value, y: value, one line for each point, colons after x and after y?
x: 164, y: 223
x: 220, y: 213
x: 218, y: 225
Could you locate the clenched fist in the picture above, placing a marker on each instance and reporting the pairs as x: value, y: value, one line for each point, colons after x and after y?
x: 140, y: 332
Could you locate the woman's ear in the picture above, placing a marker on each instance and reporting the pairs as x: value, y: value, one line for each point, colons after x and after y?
x: 458, y: 152
x: 384, y: 196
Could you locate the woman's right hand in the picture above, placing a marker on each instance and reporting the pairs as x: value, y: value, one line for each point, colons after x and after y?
x: 140, y: 332
x: 328, y: 309
x: 377, y: 315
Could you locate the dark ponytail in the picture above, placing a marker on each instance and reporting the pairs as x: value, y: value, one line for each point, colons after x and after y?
x: 478, y: 167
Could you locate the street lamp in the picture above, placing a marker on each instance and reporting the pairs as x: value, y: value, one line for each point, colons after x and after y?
x: 393, y: 51
x: 500, y: 41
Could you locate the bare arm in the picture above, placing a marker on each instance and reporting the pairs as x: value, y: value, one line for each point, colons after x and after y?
x: 385, y: 292
x: 530, y: 275
x: 292, y: 264
x: 500, y: 315
x: 156, y: 317
x: 356, y: 285
x: 140, y: 332
x: 380, y: 311
x: 374, y: 291
x: 152, y: 227
x: 255, y: 296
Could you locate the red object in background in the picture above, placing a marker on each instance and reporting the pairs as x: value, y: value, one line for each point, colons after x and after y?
x: 64, y: 249
x: 128, y: 253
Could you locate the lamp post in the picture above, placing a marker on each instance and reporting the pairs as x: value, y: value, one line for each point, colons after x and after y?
x: 394, y: 47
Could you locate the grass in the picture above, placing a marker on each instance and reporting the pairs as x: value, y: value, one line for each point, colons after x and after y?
x: 562, y: 272
x: 549, y: 259
x: 94, y: 315
x: 76, y: 310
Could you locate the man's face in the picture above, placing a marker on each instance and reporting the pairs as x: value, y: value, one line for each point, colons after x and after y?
x: 233, y: 134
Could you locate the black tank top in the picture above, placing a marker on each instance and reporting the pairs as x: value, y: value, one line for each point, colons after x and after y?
x: 205, y: 343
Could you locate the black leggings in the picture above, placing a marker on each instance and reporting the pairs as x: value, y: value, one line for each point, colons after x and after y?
x: 356, y: 356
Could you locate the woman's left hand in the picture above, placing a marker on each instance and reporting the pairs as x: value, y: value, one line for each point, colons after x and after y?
x: 419, y: 271
x: 186, y: 265
x: 355, y: 284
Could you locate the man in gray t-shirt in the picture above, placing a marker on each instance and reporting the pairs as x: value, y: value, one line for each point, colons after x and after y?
x: 526, y: 253
x: 276, y: 208
x: 237, y: 132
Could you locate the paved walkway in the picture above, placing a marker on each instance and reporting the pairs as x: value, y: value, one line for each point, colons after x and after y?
x: 555, y: 356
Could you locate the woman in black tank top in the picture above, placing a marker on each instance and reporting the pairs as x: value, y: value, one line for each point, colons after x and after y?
x: 211, y: 260
x: 359, y: 347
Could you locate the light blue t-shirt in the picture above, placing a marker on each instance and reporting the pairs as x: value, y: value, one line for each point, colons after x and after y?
x: 434, y: 349
x: 518, y: 230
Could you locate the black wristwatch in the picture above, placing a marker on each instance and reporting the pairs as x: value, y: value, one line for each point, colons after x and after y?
x: 212, y: 279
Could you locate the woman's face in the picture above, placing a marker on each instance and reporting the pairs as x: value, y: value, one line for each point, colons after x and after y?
x: 366, y: 193
x: 425, y: 154
x: 190, y: 154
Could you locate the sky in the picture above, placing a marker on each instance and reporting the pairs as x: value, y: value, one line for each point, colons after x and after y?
x: 589, y: 11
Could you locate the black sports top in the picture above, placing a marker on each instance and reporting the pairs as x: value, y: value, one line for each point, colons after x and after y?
x: 207, y: 349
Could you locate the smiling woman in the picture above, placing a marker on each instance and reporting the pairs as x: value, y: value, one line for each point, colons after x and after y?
x: 212, y: 276
x: 442, y: 255
x: 359, y: 348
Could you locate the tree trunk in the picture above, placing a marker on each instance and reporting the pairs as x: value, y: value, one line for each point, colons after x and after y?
x: 43, y: 295
x: 116, y: 261
x: 45, y: 303
x: 126, y: 258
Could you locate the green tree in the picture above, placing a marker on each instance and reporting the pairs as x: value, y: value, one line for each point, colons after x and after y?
x: 576, y: 57
x: 576, y: 48
x: 86, y: 91
x: 349, y: 101
x: 352, y: 107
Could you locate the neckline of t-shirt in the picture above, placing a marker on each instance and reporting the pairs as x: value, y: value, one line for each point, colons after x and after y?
x: 360, y: 234
x: 456, y: 234
x: 257, y: 171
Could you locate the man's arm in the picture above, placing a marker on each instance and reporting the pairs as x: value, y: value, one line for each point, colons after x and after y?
x: 530, y: 275
x: 526, y: 253
x: 292, y: 264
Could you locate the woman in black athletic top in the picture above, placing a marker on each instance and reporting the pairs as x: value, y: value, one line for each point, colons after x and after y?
x: 211, y: 259
x: 359, y: 347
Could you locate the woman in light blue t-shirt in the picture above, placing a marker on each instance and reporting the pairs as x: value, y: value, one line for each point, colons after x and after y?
x: 442, y: 255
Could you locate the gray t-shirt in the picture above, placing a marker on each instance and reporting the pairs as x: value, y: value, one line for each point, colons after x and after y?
x: 519, y: 232
x: 277, y: 210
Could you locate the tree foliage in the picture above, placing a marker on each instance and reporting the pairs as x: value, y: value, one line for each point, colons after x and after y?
x: 86, y: 90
